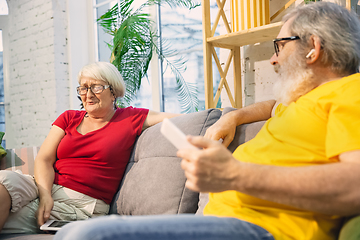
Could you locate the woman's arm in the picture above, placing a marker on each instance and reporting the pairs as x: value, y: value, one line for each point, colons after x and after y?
x: 44, y: 172
x: 156, y: 117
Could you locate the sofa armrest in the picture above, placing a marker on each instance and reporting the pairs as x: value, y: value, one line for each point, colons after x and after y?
x: 20, y: 159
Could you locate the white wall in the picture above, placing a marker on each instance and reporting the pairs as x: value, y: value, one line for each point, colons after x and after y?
x: 38, y: 88
x: 48, y: 42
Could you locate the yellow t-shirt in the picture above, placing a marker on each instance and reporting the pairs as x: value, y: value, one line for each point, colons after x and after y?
x: 313, y: 130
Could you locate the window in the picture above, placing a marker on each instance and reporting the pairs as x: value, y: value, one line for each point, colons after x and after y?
x: 102, y: 50
x: 3, y: 11
x: 181, y: 30
x: 3, y: 8
x: 2, y: 105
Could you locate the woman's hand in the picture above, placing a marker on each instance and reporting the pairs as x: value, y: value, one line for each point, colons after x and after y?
x: 45, y: 206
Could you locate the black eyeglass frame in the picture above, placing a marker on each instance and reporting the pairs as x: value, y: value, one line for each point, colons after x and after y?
x: 276, y: 40
x: 91, y: 88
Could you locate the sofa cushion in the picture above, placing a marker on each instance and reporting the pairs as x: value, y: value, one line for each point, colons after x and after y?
x: 154, y: 182
x: 21, y: 236
x: 244, y: 133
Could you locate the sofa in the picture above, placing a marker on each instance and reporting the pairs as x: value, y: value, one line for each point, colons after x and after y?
x: 154, y: 182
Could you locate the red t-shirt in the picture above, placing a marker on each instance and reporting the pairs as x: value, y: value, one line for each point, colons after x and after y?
x: 94, y: 163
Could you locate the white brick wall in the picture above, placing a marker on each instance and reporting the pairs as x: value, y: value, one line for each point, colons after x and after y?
x: 39, y: 85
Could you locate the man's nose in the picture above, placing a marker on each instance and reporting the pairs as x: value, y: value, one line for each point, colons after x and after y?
x: 273, y: 59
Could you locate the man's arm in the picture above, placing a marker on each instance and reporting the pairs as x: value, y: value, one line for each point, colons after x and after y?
x: 225, y: 127
x: 328, y: 188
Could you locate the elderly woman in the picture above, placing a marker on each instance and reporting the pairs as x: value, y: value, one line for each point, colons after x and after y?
x: 82, y: 160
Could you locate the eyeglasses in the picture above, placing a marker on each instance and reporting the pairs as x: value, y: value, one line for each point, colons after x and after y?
x: 278, y: 47
x: 97, y: 88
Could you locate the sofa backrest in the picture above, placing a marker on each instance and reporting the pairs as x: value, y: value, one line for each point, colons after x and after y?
x: 154, y: 182
x: 243, y: 134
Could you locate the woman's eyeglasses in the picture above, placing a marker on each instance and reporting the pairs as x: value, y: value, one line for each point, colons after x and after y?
x: 97, y: 88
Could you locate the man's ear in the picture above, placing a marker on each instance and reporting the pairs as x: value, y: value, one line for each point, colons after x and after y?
x: 309, y: 55
x: 314, y: 53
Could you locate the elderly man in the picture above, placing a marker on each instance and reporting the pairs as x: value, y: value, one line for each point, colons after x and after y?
x: 300, y: 174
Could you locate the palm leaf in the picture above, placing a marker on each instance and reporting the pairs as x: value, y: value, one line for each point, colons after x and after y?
x: 133, y: 45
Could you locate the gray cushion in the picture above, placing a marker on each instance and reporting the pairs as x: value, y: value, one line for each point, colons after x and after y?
x: 154, y: 182
x: 243, y: 134
x: 21, y: 236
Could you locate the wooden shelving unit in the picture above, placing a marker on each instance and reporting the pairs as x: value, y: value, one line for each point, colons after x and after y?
x: 246, y: 37
x: 233, y: 40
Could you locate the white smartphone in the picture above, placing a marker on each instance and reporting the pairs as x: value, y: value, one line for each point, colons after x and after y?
x: 175, y: 135
x: 53, y: 225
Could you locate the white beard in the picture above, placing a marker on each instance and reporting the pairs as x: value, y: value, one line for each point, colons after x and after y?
x: 295, y: 80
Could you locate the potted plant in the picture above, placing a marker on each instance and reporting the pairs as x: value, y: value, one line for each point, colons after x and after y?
x: 134, y: 42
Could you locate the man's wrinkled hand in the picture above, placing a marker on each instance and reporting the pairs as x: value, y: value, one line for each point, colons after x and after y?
x: 212, y: 168
x: 224, y: 128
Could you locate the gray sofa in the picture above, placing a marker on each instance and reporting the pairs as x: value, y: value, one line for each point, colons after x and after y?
x: 154, y: 182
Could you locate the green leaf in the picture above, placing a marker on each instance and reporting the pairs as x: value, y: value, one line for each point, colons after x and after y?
x: 133, y: 45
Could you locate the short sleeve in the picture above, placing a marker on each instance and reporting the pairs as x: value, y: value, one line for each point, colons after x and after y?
x: 343, y: 128
x: 63, y: 120
x: 281, y: 107
x: 138, y: 117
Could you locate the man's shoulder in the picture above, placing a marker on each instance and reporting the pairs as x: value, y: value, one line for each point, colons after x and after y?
x: 346, y: 87
x: 351, y: 82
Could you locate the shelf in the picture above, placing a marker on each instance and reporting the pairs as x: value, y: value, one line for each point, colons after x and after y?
x: 245, y: 37
x: 233, y: 41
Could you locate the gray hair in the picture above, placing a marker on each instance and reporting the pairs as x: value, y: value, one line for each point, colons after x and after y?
x: 338, y: 30
x: 106, y: 72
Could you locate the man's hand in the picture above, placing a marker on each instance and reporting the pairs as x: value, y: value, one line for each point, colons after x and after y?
x: 45, y: 206
x: 224, y: 128
x: 212, y: 169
